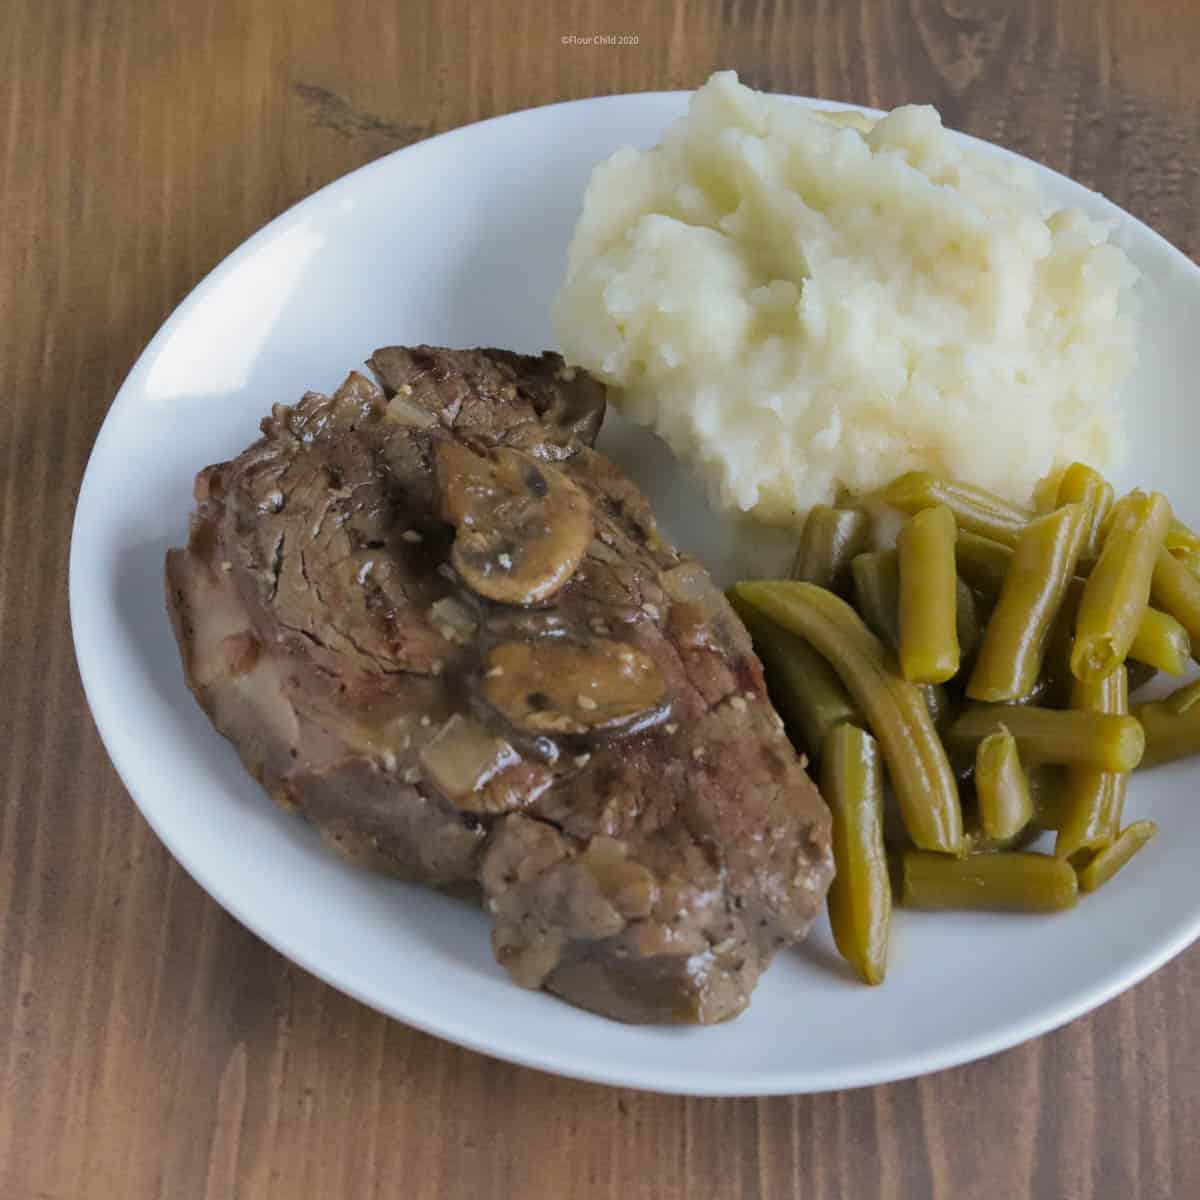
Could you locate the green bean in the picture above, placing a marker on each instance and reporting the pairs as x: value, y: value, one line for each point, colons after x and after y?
x: 1175, y: 590
x: 1118, y: 589
x: 975, y: 841
x: 1053, y: 688
x: 877, y: 599
x: 1047, y: 786
x: 982, y: 562
x: 1045, y: 494
x: 877, y: 594
x: 938, y: 702
x: 831, y: 537
x: 917, y: 766
x: 1093, y: 800
x: 1074, y: 842
x: 1081, y: 485
x: 1014, y: 642
x: 1189, y: 558
x: 1005, y: 805
x: 1020, y: 882
x: 1112, y: 858
x: 973, y: 508
x: 860, y: 897
x: 1051, y: 735
x: 966, y: 619
x: 1180, y: 539
x: 1172, y: 725
x: 984, y: 565
x: 803, y: 686
x: 929, y: 651
x: 1161, y: 642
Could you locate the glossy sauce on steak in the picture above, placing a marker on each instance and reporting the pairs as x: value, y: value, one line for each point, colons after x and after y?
x: 437, y: 623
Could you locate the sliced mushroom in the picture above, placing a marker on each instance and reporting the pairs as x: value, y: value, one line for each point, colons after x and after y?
x: 555, y: 686
x: 522, y: 526
x: 512, y: 789
x: 461, y: 760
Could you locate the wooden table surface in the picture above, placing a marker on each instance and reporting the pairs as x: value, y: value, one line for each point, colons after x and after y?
x: 152, y: 1047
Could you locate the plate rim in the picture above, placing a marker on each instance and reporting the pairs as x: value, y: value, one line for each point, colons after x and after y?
x: 689, y: 1080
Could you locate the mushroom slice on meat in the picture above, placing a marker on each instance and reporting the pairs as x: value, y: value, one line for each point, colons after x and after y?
x: 556, y: 686
x: 522, y: 527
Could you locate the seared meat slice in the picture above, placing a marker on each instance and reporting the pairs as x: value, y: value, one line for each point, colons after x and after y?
x: 434, y: 621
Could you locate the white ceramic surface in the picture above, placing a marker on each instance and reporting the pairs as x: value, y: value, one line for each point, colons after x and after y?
x: 460, y: 240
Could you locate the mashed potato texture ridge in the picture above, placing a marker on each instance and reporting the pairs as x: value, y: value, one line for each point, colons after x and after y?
x: 798, y: 302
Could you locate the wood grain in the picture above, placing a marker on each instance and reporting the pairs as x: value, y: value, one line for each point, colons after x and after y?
x: 150, y: 1046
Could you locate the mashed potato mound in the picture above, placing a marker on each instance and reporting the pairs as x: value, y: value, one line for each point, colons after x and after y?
x: 798, y: 301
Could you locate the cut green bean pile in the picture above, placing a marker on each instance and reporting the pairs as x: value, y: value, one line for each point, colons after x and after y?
x: 966, y: 691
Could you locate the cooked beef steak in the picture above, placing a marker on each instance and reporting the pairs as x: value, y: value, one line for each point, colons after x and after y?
x: 436, y: 622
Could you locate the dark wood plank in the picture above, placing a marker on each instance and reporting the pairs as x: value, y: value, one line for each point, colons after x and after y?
x: 151, y: 1047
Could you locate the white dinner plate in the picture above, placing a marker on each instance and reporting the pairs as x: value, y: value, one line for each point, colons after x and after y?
x: 460, y: 241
